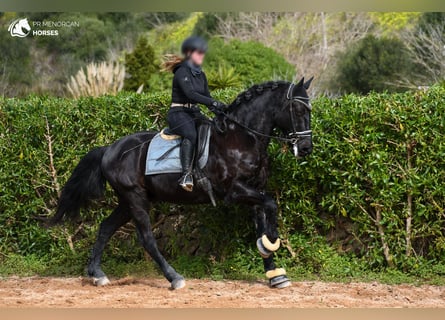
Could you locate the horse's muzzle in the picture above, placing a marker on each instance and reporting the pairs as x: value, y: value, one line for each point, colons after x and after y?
x: 302, y: 149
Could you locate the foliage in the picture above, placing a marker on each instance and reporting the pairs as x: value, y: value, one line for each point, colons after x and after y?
x: 373, y: 181
x: 391, y: 22
x: 140, y: 65
x: 372, y: 64
x: 223, y: 78
x: 430, y: 20
x: 87, y: 43
x: 207, y: 24
x: 168, y: 38
x: 427, y: 49
x: 308, y: 41
x: 15, y: 62
x: 99, y: 37
x: 156, y: 19
x: 253, y: 62
x: 97, y: 79
x: 383, y: 152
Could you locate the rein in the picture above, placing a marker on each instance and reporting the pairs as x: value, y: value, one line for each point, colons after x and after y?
x: 294, y: 136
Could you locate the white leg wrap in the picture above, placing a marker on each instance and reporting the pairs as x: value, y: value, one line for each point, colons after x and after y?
x: 269, y: 245
x: 275, y: 273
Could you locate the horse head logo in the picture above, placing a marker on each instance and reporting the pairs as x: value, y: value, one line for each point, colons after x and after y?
x: 19, y: 28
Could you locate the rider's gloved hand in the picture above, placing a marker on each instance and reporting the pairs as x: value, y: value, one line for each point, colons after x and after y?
x: 217, y: 107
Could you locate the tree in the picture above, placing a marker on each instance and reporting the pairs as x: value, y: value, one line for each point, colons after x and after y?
x: 208, y: 23
x: 431, y: 19
x: 372, y: 64
x: 426, y: 44
x: 140, y: 66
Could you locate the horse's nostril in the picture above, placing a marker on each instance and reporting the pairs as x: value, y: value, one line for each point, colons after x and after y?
x: 306, y: 149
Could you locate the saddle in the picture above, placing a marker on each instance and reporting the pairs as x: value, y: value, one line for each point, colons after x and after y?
x: 163, y: 152
x: 203, y: 140
x: 163, y: 156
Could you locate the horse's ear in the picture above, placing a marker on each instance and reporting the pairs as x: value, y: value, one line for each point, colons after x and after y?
x: 307, y: 84
x: 300, y: 83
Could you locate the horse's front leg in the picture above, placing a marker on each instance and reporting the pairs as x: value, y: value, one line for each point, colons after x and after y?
x: 265, y: 209
x: 268, y: 242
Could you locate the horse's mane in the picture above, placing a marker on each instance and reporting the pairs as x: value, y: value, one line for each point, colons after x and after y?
x: 257, y: 90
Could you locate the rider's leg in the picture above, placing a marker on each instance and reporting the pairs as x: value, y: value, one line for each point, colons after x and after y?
x: 183, y: 123
x: 187, y: 154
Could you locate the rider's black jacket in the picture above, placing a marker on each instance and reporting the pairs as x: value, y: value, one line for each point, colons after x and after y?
x: 190, y: 86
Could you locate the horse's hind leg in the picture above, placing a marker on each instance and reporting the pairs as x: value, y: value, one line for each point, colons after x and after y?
x: 140, y: 216
x: 108, y: 227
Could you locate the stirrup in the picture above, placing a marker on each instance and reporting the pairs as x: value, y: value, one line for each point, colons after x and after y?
x: 186, y: 182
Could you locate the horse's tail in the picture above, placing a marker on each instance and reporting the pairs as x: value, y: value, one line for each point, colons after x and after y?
x: 86, y: 183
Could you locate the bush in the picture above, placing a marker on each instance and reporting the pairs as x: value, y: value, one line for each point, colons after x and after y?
x: 140, y: 65
x: 370, y: 195
x: 372, y: 65
x: 253, y: 62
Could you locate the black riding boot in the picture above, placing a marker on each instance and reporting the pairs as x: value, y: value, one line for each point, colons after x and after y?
x: 187, y: 154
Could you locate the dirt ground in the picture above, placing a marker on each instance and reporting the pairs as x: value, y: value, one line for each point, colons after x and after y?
x: 155, y: 293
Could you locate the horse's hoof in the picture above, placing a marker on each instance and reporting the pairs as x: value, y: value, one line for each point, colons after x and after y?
x: 178, y: 284
x: 280, y: 282
x: 102, y: 281
x: 283, y: 285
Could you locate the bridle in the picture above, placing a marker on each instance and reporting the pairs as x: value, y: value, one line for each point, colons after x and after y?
x: 295, y: 135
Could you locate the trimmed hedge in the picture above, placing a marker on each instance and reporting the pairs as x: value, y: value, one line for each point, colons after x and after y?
x: 374, y: 180
x: 378, y: 163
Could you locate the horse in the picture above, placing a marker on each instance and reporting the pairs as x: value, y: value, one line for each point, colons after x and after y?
x: 237, y: 169
x: 19, y: 28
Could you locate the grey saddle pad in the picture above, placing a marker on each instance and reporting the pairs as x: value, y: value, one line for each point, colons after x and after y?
x: 163, y: 154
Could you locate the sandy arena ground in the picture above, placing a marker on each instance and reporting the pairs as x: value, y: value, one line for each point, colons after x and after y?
x: 155, y: 293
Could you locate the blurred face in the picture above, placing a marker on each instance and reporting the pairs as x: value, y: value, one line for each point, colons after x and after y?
x: 197, y: 57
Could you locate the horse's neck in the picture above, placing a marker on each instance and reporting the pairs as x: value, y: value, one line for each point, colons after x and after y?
x: 257, y: 115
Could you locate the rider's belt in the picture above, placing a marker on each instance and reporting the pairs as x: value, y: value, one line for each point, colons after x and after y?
x: 184, y: 105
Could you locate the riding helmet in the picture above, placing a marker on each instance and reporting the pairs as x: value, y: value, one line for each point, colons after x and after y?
x: 193, y: 43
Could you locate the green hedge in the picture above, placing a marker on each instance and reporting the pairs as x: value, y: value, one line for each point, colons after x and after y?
x: 377, y: 161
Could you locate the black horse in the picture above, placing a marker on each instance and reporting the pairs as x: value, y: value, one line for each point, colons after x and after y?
x: 237, y: 169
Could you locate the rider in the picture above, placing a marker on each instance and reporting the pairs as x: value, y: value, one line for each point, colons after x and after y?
x: 190, y: 88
